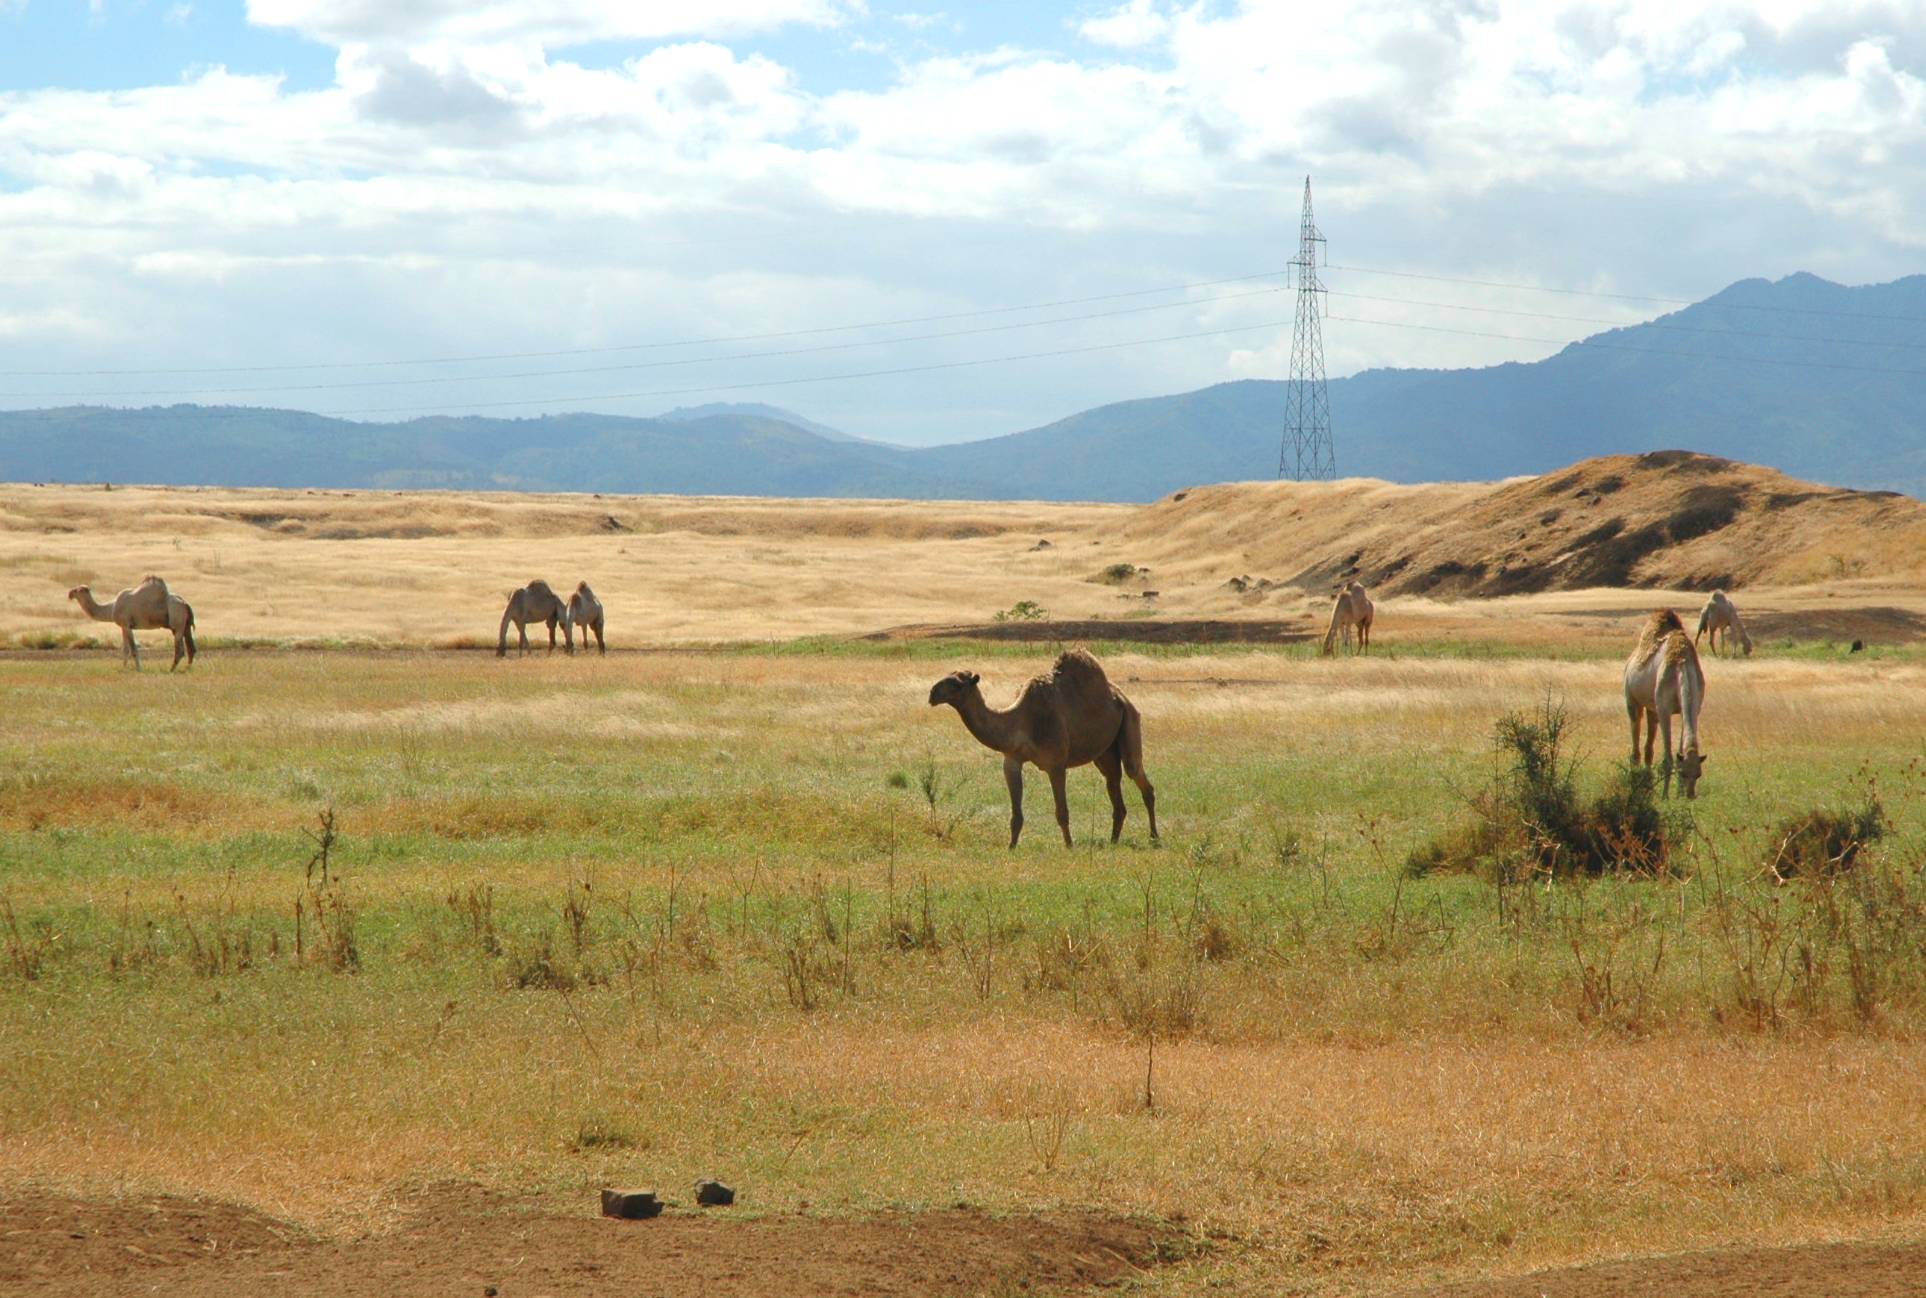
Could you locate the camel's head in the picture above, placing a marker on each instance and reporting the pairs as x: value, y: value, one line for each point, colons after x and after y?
x: 954, y: 688
x: 77, y: 592
x: 1689, y: 766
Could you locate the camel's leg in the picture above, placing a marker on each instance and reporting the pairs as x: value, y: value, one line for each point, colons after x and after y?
x: 1633, y: 710
x: 551, y: 635
x: 599, y: 646
x: 1651, y: 733
x: 1665, y: 723
x: 521, y: 635
x: 188, y: 633
x: 129, y: 647
x: 1131, y: 743
x: 1058, y: 779
x: 1111, y: 764
x: 501, y: 639
x: 180, y: 650
x: 1013, y: 776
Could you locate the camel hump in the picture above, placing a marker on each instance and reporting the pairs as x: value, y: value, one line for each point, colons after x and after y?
x: 1077, y: 664
x: 581, y: 588
x: 539, y: 587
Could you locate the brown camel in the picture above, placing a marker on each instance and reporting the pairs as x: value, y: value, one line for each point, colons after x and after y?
x: 1068, y: 718
x: 1352, y: 608
x: 585, y: 611
x: 535, y: 602
x: 146, y: 607
x: 1663, y: 679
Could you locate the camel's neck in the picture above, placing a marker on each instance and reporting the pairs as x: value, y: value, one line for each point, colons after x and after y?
x: 991, y: 728
x: 96, y: 611
x: 1691, y: 694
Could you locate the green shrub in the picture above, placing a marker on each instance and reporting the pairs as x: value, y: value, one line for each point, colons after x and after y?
x: 1531, y: 819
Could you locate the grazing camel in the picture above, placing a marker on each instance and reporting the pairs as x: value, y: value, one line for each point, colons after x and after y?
x: 1662, y: 679
x: 1072, y: 716
x: 534, y: 602
x: 1351, y: 608
x: 585, y: 611
x: 147, y: 607
x: 1718, y: 615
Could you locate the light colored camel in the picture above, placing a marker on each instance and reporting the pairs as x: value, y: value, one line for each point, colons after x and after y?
x: 146, y: 607
x: 585, y: 611
x: 1351, y: 609
x: 1719, y: 614
x: 535, y: 602
x: 1663, y: 679
x: 1068, y: 718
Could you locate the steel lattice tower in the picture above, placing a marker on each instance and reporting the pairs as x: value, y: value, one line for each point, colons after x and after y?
x: 1307, y: 453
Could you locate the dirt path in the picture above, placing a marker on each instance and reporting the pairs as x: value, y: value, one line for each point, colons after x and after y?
x: 1803, y: 1271
x: 460, y: 1243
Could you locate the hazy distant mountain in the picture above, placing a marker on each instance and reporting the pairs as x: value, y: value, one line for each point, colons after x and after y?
x: 757, y: 410
x: 1819, y: 380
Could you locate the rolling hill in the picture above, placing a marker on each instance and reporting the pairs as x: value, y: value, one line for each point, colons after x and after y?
x: 1823, y: 381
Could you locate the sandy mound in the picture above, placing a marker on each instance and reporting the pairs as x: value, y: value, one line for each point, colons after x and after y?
x: 1667, y: 519
x: 460, y: 1243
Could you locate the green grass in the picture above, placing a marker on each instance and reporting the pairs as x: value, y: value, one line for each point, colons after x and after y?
x: 696, y: 913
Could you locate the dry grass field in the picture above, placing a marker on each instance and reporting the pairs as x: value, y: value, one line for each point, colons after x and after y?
x: 741, y: 907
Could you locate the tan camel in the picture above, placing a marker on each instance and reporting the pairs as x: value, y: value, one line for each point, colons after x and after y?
x: 1663, y: 679
x: 146, y: 607
x: 1351, y: 609
x: 585, y: 611
x: 535, y: 602
x: 1068, y: 718
x: 1719, y: 614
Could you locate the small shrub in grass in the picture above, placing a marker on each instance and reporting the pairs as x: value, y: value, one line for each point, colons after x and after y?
x: 538, y: 966
x: 599, y: 1131
x: 1826, y: 841
x: 1532, y: 820
x: 1024, y: 610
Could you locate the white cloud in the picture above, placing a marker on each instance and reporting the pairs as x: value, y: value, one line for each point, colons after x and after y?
x: 1129, y: 26
x: 547, y: 22
x: 462, y: 186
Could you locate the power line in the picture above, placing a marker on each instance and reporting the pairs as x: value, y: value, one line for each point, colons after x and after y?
x: 654, y: 346
x: 649, y: 365
x: 1633, y: 324
x: 818, y: 378
x: 1633, y: 297
x: 1650, y: 351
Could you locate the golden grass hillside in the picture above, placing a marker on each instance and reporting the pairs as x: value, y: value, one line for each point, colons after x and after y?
x: 1667, y: 520
x: 1546, y: 555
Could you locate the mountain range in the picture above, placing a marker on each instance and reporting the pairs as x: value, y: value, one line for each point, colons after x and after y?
x: 1820, y: 380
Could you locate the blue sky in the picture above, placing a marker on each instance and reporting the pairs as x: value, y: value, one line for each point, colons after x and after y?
x: 278, y: 202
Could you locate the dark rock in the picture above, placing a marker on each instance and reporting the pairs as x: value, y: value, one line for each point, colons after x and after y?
x: 714, y: 1194
x: 630, y: 1204
x: 1857, y: 646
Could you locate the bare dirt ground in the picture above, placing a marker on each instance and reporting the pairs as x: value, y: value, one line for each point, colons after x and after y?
x: 1804, y: 1271
x: 457, y: 1241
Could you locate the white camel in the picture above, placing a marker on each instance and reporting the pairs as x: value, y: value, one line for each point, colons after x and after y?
x: 1719, y: 614
x: 1663, y: 679
x: 146, y: 607
x: 585, y: 611
x: 1352, y: 609
x: 538, y: 603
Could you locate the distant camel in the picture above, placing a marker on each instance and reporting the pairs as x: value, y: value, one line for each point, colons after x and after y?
x: 1663, y: 679
x: 147, y: 607
x: 1351, y: 608
x: 1718, y: 615
x: 1067, y: 718
x: 534, y: 602
x: 585, y: 611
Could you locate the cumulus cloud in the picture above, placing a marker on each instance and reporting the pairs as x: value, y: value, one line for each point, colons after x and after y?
x: 548, y: 22
x: 463, y: 185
